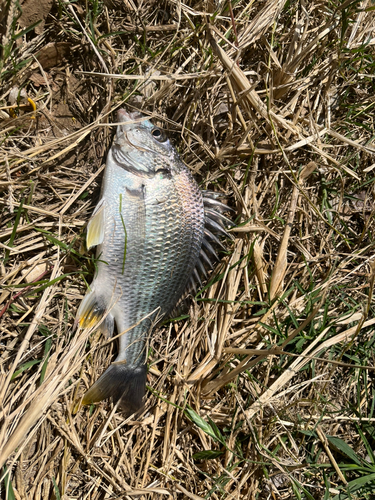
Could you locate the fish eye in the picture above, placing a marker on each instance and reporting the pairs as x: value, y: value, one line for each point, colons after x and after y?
x: 158, y: 134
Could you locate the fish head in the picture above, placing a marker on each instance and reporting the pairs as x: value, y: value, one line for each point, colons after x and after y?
x: 141, y: 147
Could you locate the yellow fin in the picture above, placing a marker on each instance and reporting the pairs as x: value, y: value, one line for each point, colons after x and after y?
x: 90, y: 312
x: 95, y: 227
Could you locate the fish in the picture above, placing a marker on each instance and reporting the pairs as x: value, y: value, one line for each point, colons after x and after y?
x: 155, y: 233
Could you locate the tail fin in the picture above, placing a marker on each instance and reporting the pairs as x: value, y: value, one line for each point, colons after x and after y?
x: 91, y: 311
x: 122, y: 382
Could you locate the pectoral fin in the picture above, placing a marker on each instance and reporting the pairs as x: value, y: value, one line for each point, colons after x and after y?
x: 96, y: 226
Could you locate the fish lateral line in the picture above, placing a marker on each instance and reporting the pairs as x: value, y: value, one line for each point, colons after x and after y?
x: 126, y: 235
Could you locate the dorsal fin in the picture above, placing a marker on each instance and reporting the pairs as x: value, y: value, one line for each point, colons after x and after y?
x: 215, y: 225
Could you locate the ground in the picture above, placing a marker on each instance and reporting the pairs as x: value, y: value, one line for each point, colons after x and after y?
x: 264, y: 389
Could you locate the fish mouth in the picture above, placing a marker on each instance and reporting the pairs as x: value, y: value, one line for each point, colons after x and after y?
x: 126, y: 139
x: 131, y: 119
x: 125, y: 116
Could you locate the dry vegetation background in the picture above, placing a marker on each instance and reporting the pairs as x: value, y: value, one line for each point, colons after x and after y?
x: 265, y: 391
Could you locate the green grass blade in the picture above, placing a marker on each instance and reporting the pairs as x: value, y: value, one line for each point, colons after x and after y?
x: 9, y: 492
x: 24, y: 367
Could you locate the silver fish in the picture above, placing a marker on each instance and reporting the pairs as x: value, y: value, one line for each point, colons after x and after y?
x: 152, y: 235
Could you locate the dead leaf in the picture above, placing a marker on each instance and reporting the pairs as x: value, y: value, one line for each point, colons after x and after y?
x: 39, y: 80
x: 53, y: 54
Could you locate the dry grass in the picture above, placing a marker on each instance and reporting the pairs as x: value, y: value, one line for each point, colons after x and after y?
x: 266, y: 390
